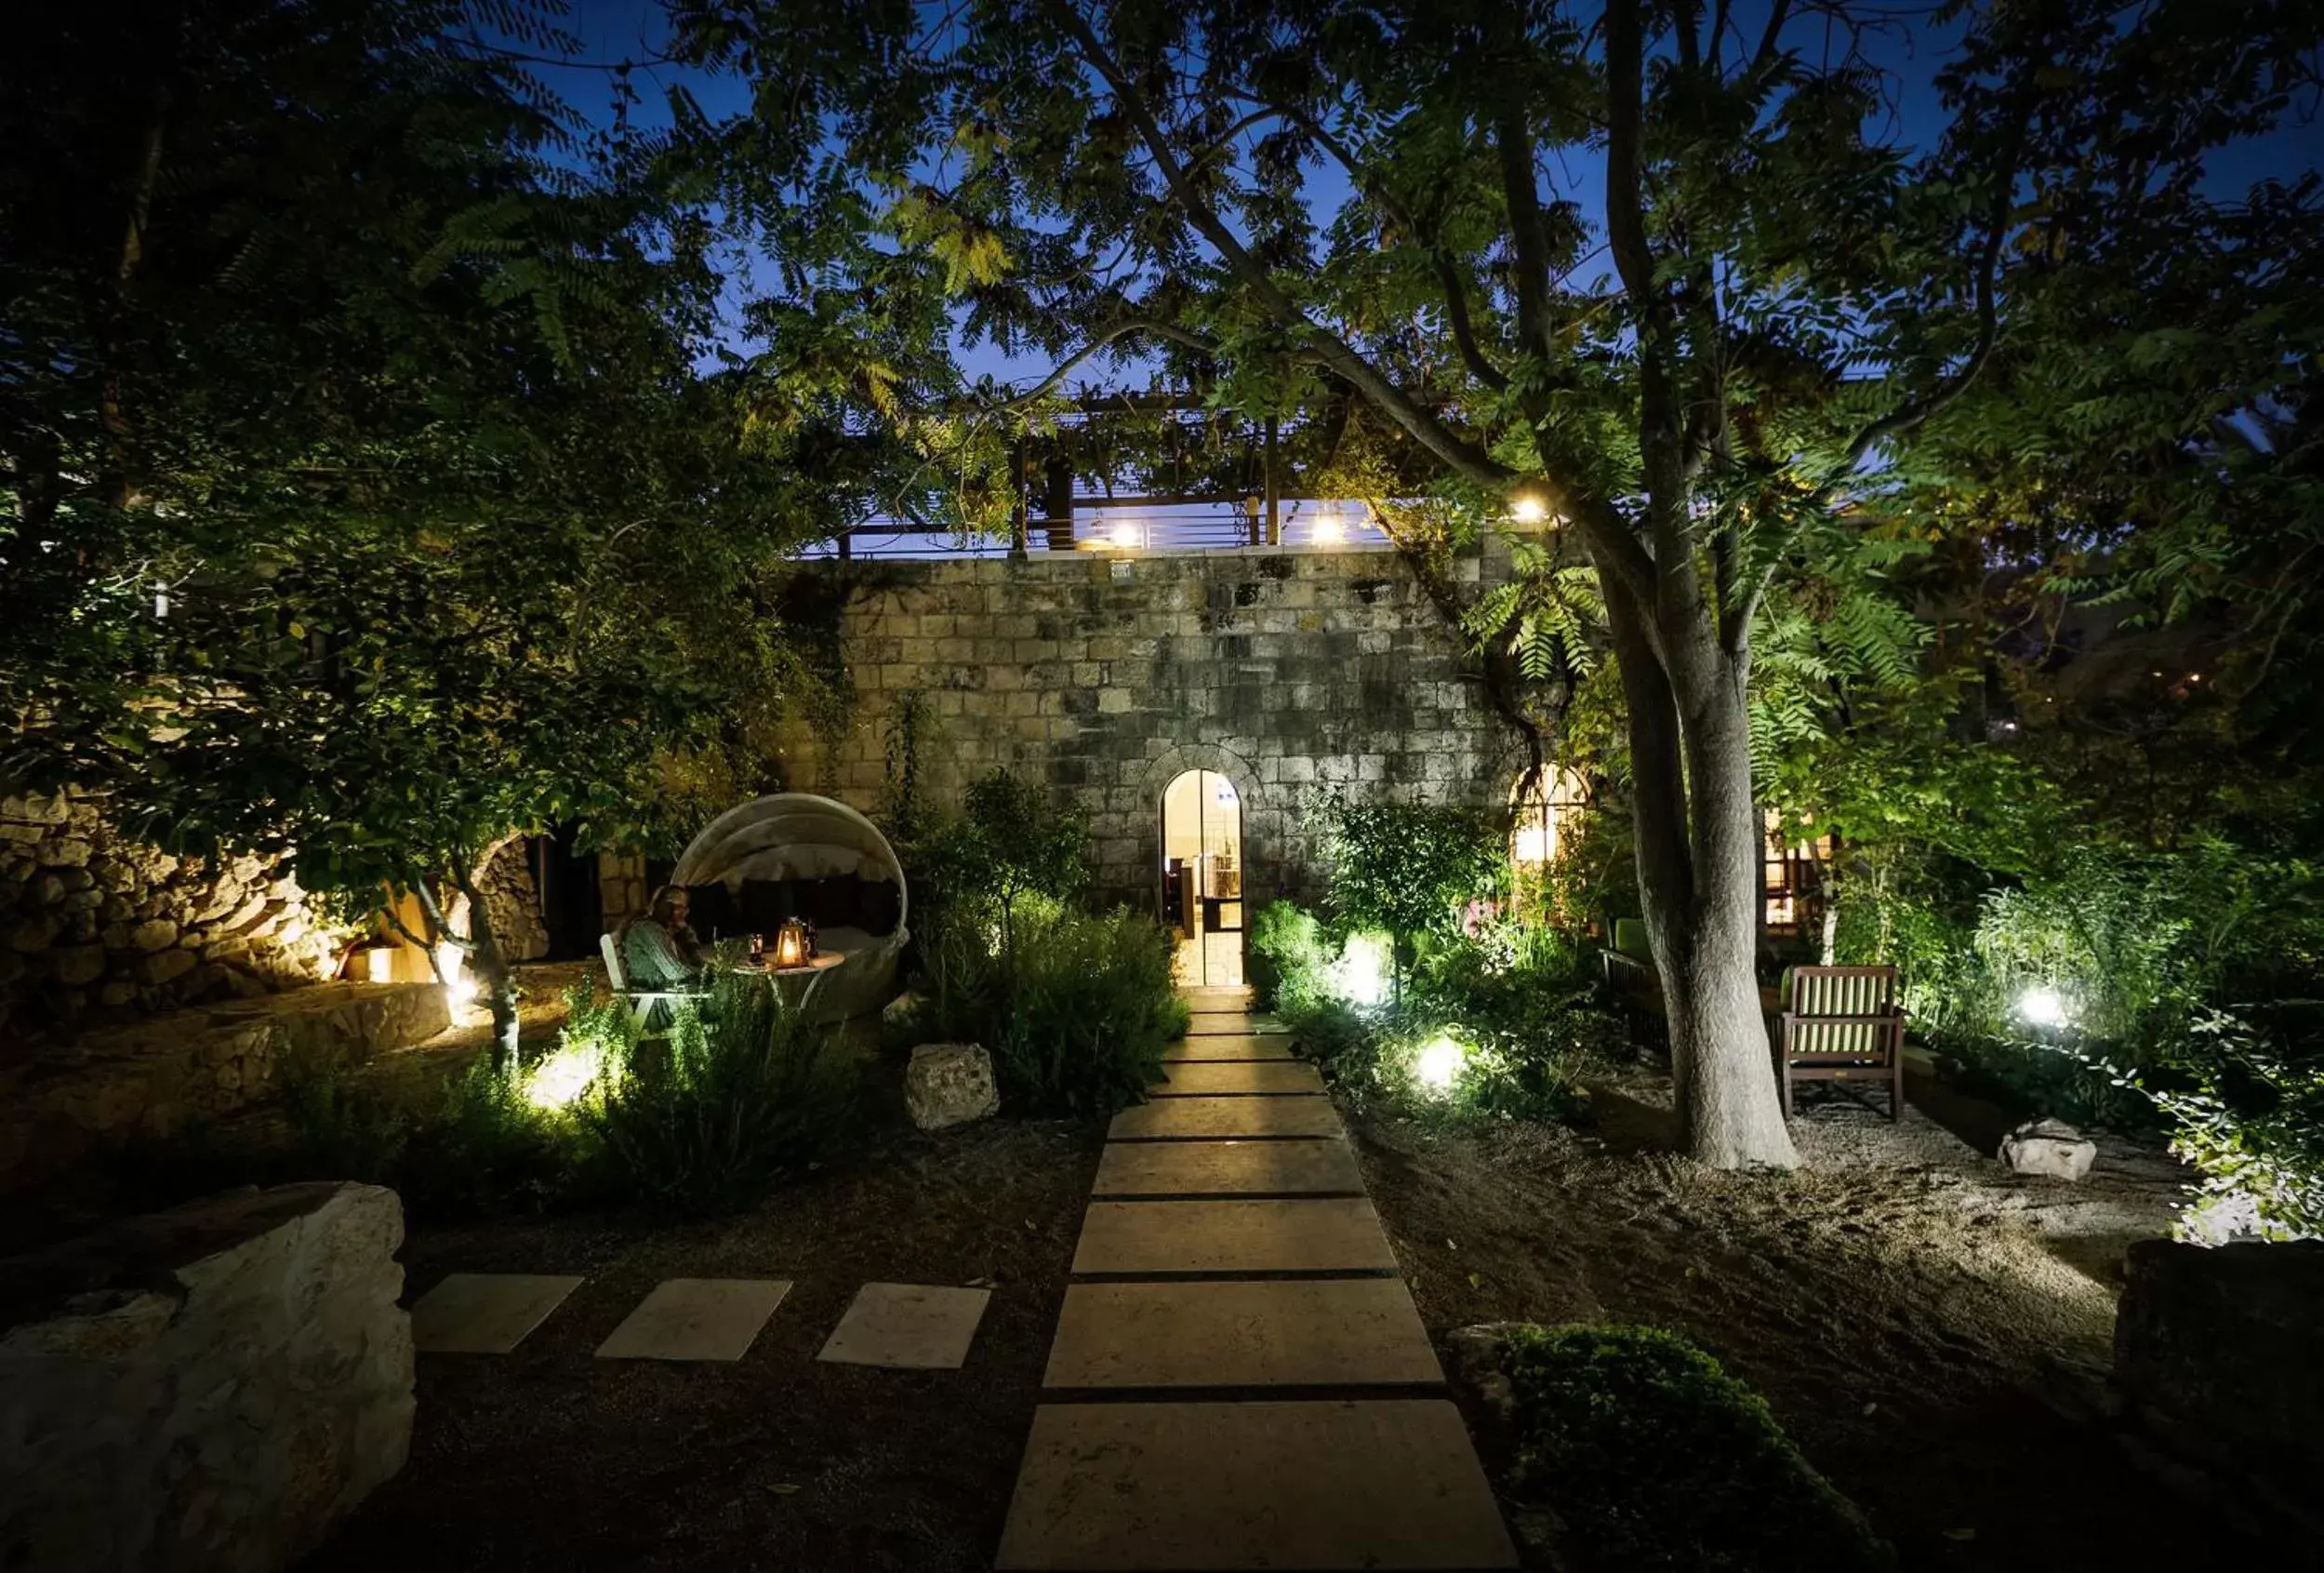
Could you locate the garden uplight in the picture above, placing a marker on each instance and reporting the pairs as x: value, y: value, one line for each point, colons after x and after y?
x: 1439, y: 1064
x: 1359, y: 976
x: 563, y: 1076
x: 2042, y: 1006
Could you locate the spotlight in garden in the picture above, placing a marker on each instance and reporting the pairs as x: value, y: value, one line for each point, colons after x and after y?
x: 459, y: 989
x: 1359, y: 976
x: 1439, y: 1064
x: 563, y: 1076
x: 1527, y: 508
x: 2042, y: 1006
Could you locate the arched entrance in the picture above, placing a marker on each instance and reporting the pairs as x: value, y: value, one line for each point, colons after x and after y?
x: 1201, y: 878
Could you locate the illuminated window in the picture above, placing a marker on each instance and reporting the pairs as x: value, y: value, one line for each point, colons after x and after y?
x: 1544, y: 805
x: 1792, y: 876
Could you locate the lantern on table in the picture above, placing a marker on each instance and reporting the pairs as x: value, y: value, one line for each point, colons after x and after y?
x: 793, y: 947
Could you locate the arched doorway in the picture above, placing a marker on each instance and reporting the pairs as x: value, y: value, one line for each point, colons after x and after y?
x: 1201, y: 878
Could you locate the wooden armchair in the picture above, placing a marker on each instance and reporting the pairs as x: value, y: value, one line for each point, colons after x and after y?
x: 1841, y: 1023
x: 645, y: 1005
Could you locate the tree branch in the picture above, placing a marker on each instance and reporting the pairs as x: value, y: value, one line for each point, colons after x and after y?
x: 1330, y: 350
x: 1120, y: 331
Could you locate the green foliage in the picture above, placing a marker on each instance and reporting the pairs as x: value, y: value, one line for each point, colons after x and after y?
x: 743, y: 1091
x: 1408, y: 869
x: 1009, y: 844
x: 1094, y: 1010
x: 1657, y: 1458
x: 1288, y: 953
x: 1512, y: 994
x: 2248, y: 1113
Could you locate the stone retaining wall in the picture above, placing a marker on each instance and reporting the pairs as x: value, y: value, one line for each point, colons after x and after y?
x: 59, y: 1102
x: 1295, y: 673
x: 94, y: 922
x: 209, y: 1388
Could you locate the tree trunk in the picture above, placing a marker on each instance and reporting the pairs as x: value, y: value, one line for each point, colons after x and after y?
x: 1697, y: 849
x: 493, y: 973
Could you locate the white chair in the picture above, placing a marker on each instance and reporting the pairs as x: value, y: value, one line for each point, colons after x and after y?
x: 642, y: 1002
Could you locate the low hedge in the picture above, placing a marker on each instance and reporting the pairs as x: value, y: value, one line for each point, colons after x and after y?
x: 1653, y: 1456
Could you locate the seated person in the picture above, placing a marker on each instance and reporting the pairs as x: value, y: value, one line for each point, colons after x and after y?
x: 659, y: 953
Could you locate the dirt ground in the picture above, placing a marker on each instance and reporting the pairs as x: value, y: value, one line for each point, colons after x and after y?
x: 551, y: 1458
x: 1932, y: 1330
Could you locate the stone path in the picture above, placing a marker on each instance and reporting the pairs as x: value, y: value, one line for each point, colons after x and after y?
x: 1239, y: 1379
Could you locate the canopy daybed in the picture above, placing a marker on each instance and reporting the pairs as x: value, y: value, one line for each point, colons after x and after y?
x: 797, y: 855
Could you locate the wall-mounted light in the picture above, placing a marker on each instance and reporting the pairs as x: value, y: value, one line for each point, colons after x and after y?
x: 1127, y: 537
x: 1328, y: 530
x: 1527, y: 508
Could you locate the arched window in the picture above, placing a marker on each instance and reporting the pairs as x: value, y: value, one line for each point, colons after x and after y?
x: 1545, y: 802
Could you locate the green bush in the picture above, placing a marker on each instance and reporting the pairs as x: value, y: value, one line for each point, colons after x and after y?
x: 744, y: 1091
x: 2249, y: 1115
x: 1657, y: 1458
x: 1407, y: 870
x: 1094, y: 1010
x: 1076, y: 1025
x: 484, y: 1147
x: 1289, y: 955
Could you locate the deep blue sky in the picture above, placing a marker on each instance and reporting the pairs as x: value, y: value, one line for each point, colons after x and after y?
x: 1911, y: 51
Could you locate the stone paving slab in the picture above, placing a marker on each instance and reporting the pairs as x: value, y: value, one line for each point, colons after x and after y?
x: 1203, y: 1022
x: 1234, y: 1234
x: 1193, y: 1169
x: 1313, y: 1333
x: 1239, y: 1078
x: 1384, y: 1484
x: 697, y: 1319
x: 485, y: 1312
x: 918, y: 1325
x: 1230, y: 1046
x: 1310, y: 1115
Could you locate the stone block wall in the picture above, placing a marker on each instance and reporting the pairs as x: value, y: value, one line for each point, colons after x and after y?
x: 211, y: 1388
x: 92, y: 921
x: 1297, y: 674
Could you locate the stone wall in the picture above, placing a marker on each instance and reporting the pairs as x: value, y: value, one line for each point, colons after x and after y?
x: 210, y: 1388
x: 94, y: 922
x: 62, y: 1101
x: 1295, y: 673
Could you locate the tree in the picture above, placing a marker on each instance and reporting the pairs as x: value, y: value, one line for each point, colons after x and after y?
x: 1281, y: 205
x: 360, y: 493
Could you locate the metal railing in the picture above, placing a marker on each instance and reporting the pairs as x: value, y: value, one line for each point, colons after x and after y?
x: 1133, y: 524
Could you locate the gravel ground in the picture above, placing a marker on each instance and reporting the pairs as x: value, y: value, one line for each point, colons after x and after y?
x: 1934, y: 1331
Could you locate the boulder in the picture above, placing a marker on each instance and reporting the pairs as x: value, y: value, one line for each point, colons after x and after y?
x: 212, y: 1387
x: 2050, y: 1148
x: 949, y: 1084
x: 157, y: 934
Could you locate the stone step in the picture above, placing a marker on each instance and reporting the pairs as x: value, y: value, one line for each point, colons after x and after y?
x: 485, y: 1312
x: 1345, y: 1332
x: 697, y: 1319
x: 1228, y: 1046
x: 1380, y: 1484
x: 1205, y: 1023
x: 1238, y: 1235
x: 1307, y: 1116
x: 1239, y: 1078
x: 1193, y: 1169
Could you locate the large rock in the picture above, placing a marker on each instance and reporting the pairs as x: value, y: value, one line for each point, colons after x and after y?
x: 209, y: 1388
x: 2050, y: 1148
x: 2222, y: 1350
x: 949, y: 1084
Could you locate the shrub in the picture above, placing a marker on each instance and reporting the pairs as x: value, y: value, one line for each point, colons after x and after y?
x: 2250, y: 1118
x: 486, y: 1147
x: 1289, y: 958
x: 1657, y: 1458
x: 1081, y: 1027
x: 743, y: 1090
x: 1407, y: 870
